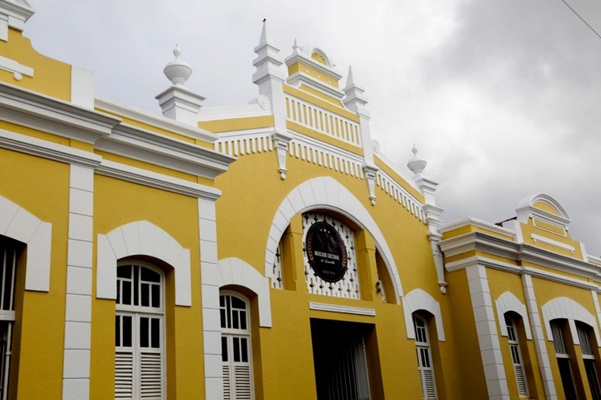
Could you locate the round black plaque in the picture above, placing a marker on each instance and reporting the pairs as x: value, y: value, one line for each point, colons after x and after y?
x: 326, y: 252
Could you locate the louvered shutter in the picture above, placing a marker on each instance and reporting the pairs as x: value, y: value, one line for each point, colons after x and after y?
x: 243, y: 385
x: 150, y: 376
x: 226, y: 382
x: 124, y: 370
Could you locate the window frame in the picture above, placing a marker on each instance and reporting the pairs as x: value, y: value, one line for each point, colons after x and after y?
x: 142, y: 356
x: 424, y: 348
x: 228, y: 337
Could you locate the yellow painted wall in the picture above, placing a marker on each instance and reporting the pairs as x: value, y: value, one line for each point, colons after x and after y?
x: 51, y: 77
x: 117, y: 203
x: 41, y: 187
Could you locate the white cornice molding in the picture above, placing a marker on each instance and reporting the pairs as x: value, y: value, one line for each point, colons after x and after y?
x: 40, y: 112
x: 155, y: 180
x: 297, y: 78
x: 478, y: 241
x: 130, y: 141
x: 519, y: 270
x: 551, y: 242
x: 103, y: 104
x: 449, y: 226
x: 342, y: 309
x: 42, y: 148
x: 259, y: 108
x: 17, y: 12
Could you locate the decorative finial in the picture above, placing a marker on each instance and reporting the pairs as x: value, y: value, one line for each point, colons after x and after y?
x: 177, y: 71
x: 295, y: 46
x: 416, y: 164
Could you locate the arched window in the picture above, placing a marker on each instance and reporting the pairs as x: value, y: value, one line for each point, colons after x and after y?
x: 562, y: 353
x: 424, y: 358
x: 236, y: 347
x: 9, y: 255
x: 516, y: 355
x: 139, y: 333
x: 587, y: 340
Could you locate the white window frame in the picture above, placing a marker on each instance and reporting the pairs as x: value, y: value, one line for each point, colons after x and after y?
x: 424, y: 358
x: 588, y: 359
x: 516, y: 356
x: 8, y: 273
x: 130, y: 361
x: 238, y: 375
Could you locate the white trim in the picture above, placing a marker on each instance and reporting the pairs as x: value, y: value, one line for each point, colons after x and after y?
x: 566, y: 308
x: 18, y: 70
x: 82, y: 87
x: 48, y: 114
x: 370, y: 312
x: 488, y: 339
x: 539, y: 339
x: 19, y: 224
x: 546, y: 240
x: 211, y: 325
x: 42, y: 148
x: 76, y: 358
x: 419, y: 299
x: 161, y: 122
x: 141, y: 238
x: 509, y: 302
x: 327, y: 193
x: 156, y: 180
x: 234, y: 271
x: 260, y: 107
x: 449, y: 226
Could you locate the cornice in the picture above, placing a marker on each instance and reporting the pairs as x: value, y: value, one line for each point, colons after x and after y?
x: 297, y: 78
x: 449, y: 226
x: 520, y: 270
x: 143, y: 145
x: 519, y: 252
x: 158, y: 121
x: 42, y: 148
x: 44, y: 113
x: 159, y: 181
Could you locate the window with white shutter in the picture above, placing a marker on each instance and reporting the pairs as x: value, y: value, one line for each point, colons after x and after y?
x: 236, y: 348
x: 139, y: 333
x: 9, y: 253
x: 516, y: 356
x: 588, y: 357
x: 563, y: 358
x: 424, y: 358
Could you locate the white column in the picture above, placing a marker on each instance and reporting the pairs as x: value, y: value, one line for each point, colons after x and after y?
x: 78, y: 316
x: 488, y: 339
x: 209, y: 269
x: 539, y: 338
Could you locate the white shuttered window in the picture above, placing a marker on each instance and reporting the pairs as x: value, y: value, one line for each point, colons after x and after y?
x: 9, y: 252
x: 424, y: 358
x: 236, y: 348
x: 139, y: 333
x: 516, y: 356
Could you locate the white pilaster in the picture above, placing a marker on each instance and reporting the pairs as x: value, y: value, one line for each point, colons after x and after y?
x: 270, y: 79
x: 209, y: 268
x: 539, y: 339
x: 488, y: 339
x: 78, y: 317
x: 355, y: 100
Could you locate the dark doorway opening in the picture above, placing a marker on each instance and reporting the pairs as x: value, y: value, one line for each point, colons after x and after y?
x: 341, y: 359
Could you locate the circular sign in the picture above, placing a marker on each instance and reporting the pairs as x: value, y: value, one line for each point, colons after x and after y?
x: 326, y: 252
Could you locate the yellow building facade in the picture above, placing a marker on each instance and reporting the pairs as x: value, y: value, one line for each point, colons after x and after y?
x: 262, y: 251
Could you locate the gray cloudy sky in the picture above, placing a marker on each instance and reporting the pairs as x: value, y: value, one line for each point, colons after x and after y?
x: 502, y: 97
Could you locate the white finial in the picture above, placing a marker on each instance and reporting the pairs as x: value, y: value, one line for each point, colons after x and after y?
x: 177, y: 71
x: 416, y: 164
x: 295, y: 46
x: 349, y: 79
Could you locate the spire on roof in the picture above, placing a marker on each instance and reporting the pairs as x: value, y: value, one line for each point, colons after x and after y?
x: 355, y: 98
x: 268, y: 61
